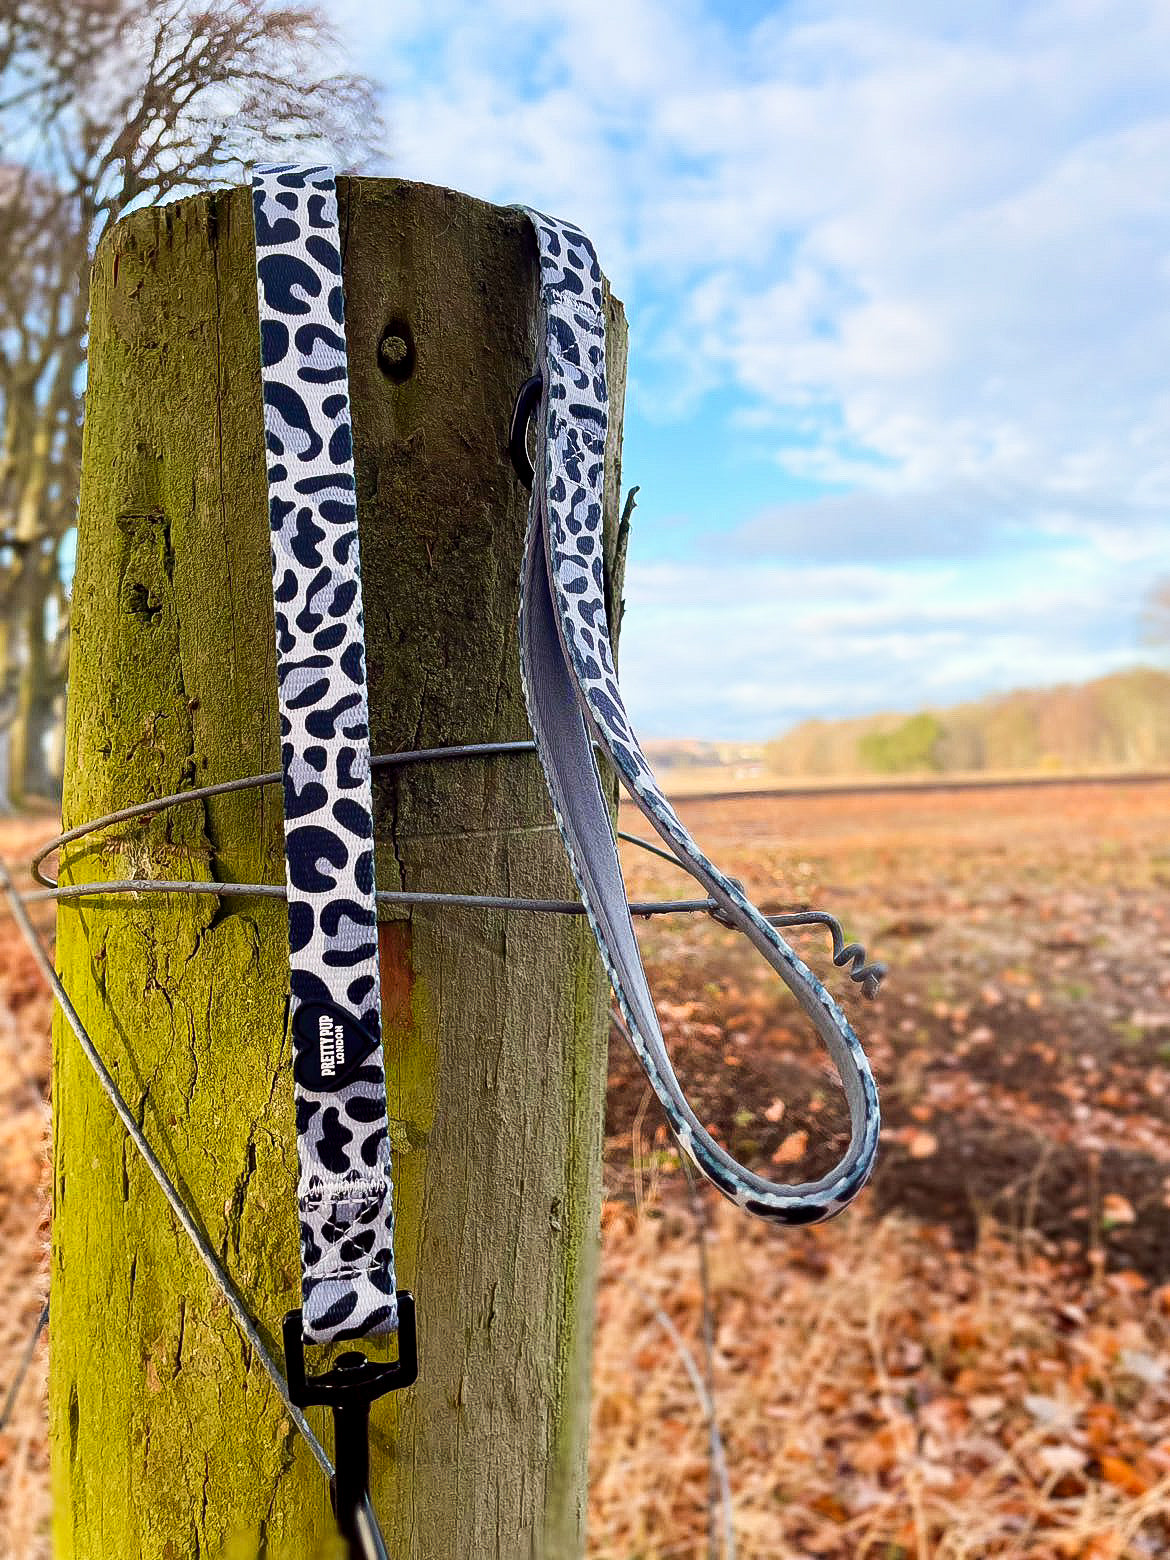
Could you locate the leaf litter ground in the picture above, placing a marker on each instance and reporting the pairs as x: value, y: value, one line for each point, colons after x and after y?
x: 972, y: 1362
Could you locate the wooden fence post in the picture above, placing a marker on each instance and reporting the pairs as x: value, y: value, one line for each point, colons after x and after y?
x: 167, y: 1440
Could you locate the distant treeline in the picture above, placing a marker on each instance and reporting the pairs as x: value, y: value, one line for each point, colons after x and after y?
x: 1117, y: 722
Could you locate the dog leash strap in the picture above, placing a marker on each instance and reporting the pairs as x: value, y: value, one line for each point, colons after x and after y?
x: 344, y: 1188
x: 571, y: 688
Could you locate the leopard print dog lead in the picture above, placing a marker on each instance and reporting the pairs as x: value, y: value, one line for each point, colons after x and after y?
x: 344, y: 1189
x: 570, y: 684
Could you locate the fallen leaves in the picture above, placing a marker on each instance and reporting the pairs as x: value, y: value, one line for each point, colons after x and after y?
x: 1116, y: 1471
x: 792, y: 1149
x: 887, y: 1391
x: 1115, y: 1210
x: 873, y: 1371
x: 921, y: 1144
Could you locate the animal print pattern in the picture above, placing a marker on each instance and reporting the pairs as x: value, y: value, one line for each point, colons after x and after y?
x: 565, y: 537
x: 344, y: 1187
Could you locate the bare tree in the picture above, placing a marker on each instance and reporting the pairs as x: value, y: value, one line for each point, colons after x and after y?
x: 41, y: 347
x: 107, y: 104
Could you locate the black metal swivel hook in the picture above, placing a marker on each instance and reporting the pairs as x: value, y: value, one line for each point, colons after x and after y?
x: 354, y: 1382
x: 526, y: 403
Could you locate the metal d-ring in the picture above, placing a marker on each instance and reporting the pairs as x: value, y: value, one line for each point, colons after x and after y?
x: 526, y: 403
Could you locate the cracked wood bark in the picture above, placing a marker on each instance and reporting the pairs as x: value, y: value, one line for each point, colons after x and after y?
x: 167, y: 1441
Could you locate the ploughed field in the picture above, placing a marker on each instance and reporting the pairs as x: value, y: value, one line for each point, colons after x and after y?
x: 975, y: 1360
x: 1021, y: 1039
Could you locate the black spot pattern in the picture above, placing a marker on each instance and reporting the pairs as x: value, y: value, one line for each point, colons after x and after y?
x: 344, y: 1188
x: 564, y: 548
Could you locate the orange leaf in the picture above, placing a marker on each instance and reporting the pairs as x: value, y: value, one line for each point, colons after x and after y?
x: 792, y: 1149
x: 1116, y: 1471
x: 1103, y: 1546
x: 830, y: 1506
x: 1116, y: 1209
x: 1127, y: 1282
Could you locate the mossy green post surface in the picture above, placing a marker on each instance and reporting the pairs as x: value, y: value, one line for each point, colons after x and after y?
x: 167, y: 1440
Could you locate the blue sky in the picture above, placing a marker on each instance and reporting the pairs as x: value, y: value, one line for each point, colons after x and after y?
x: 898, y: 283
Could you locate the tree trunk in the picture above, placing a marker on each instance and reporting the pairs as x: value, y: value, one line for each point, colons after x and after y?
x: 8, y: 695
x: 31, y: 735
x: 42, y: 485
x: 167, y: 1440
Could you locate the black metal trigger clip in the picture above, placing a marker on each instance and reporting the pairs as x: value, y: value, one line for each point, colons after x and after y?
x: 348, y: 1388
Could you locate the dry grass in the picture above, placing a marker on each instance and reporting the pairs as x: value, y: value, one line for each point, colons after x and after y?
x: 24, y: 1132
x: 881, y: 1394
x: 885, y: 1388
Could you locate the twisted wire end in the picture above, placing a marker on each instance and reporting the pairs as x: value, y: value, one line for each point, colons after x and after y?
x: 868, y: 976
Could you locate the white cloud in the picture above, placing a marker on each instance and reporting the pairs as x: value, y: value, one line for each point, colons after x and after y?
x: 976, y: 282
x: 749, y: 648
x: 925, y: 247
